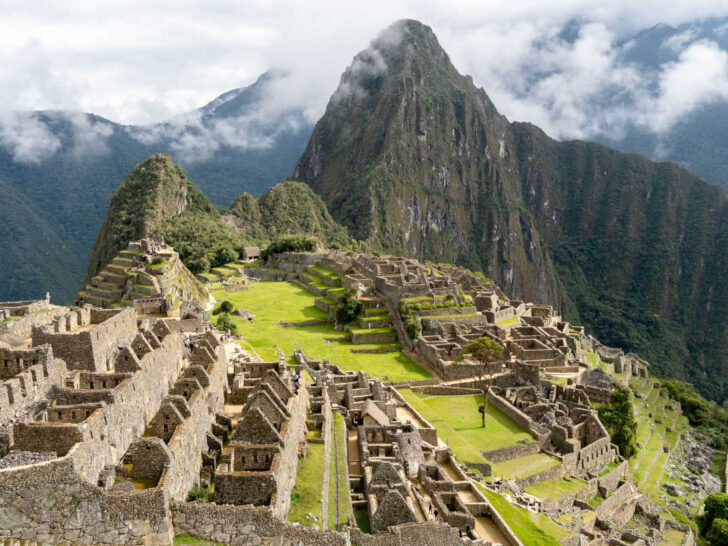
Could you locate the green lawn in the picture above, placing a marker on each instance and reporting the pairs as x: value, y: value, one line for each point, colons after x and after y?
x: 340, y: 469
x: 306, y: 494
x: 458, y: 421
x: 530, y: 527
x: 274, y: 302
x: 553, y: 489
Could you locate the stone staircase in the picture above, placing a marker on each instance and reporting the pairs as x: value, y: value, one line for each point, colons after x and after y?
x: 107, y: 288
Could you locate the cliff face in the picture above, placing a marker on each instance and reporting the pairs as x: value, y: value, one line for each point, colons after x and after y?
x: 414, y: 159
x: 411, y: 156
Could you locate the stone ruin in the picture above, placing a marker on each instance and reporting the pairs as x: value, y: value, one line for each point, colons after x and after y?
x: 103, y: 401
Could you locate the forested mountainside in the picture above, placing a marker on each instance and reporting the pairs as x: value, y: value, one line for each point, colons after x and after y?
x: 157, y: 198
x: 56, y: 199
x: 416, y: 160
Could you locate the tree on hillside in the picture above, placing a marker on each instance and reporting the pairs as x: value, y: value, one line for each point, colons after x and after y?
x: 618, y: 419
x: 485, y: 351
x: 716, y: 508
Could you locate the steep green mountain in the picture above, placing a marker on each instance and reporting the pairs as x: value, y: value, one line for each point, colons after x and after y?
x: 288, y: 208
x: 415, y: 160
x: 158, y: 199
x: 56, y: 200
x: 292, y: 207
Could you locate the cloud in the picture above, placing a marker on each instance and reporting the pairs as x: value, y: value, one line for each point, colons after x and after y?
x: 197, y: 137
x: 27, y: 138
x: 89, y: 137
x: 141, y: 63
x: 367, y: 65
x: 698, y: 77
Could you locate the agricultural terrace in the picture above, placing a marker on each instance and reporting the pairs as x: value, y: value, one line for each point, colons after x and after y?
x: 657, y: 437
x: 273, y: 303
x: 458, y: 423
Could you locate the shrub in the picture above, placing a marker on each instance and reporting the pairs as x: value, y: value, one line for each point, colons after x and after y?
x: 718, y: 532
x: 158, y: 260
x: 226, y: 307
x: 413, y: 325
x: 223, y: 256
x: 201, y: 265
x: 197, y: 493
x: 618, y: 419
x: 716, y: 508
x: 349, y: 309
x: 225, y: 323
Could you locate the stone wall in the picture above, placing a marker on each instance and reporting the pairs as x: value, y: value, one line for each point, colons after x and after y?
x: 20, y: 328
x: 328, y: 420
x: 553, y: 473
x: 445, y: 390
x: 248, y: 524
x: 32, y: 382
x: 517, y: 415
x: 424, y: 427
x: 288, y: 462
x: 89, y: 349
x: 610, y: 480
x: 69, y: 509
x: 105, y: 437
x: 511, y: 452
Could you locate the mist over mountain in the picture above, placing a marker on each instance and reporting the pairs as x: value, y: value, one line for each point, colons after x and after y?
x: 58, y: 171
x: 416, y: 160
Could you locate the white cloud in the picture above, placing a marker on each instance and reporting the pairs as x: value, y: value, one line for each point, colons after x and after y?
x: 141, y: 62
x: 27, y: 138
x: 698, y: 77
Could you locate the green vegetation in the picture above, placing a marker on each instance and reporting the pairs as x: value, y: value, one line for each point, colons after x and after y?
x: 290, y: 243
x: 362, y: 520
x: 484, y: 351
x: 198, y: 493
x: 157, y: 197
x: 185, y: 539
x: 349, y: 308
x: 714, y: 522
x: 226, y: 323
x: 506, y: 322
x: 618, y: 419
x: 526, y: 465
x: 337, y: 468
x: 530, y: 527
x: 553, y: 489
x: 265, y: 332
x: 306, y: 493
x: 706, y: 416
x: 458, y: 423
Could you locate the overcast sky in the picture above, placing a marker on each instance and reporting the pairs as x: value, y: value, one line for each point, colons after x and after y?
x: 143, y: 61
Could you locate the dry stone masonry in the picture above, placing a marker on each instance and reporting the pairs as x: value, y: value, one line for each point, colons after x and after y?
x: 128, y: 419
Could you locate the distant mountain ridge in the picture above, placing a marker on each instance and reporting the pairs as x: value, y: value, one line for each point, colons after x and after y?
x: 52, y: 209
x: 416, y: 160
